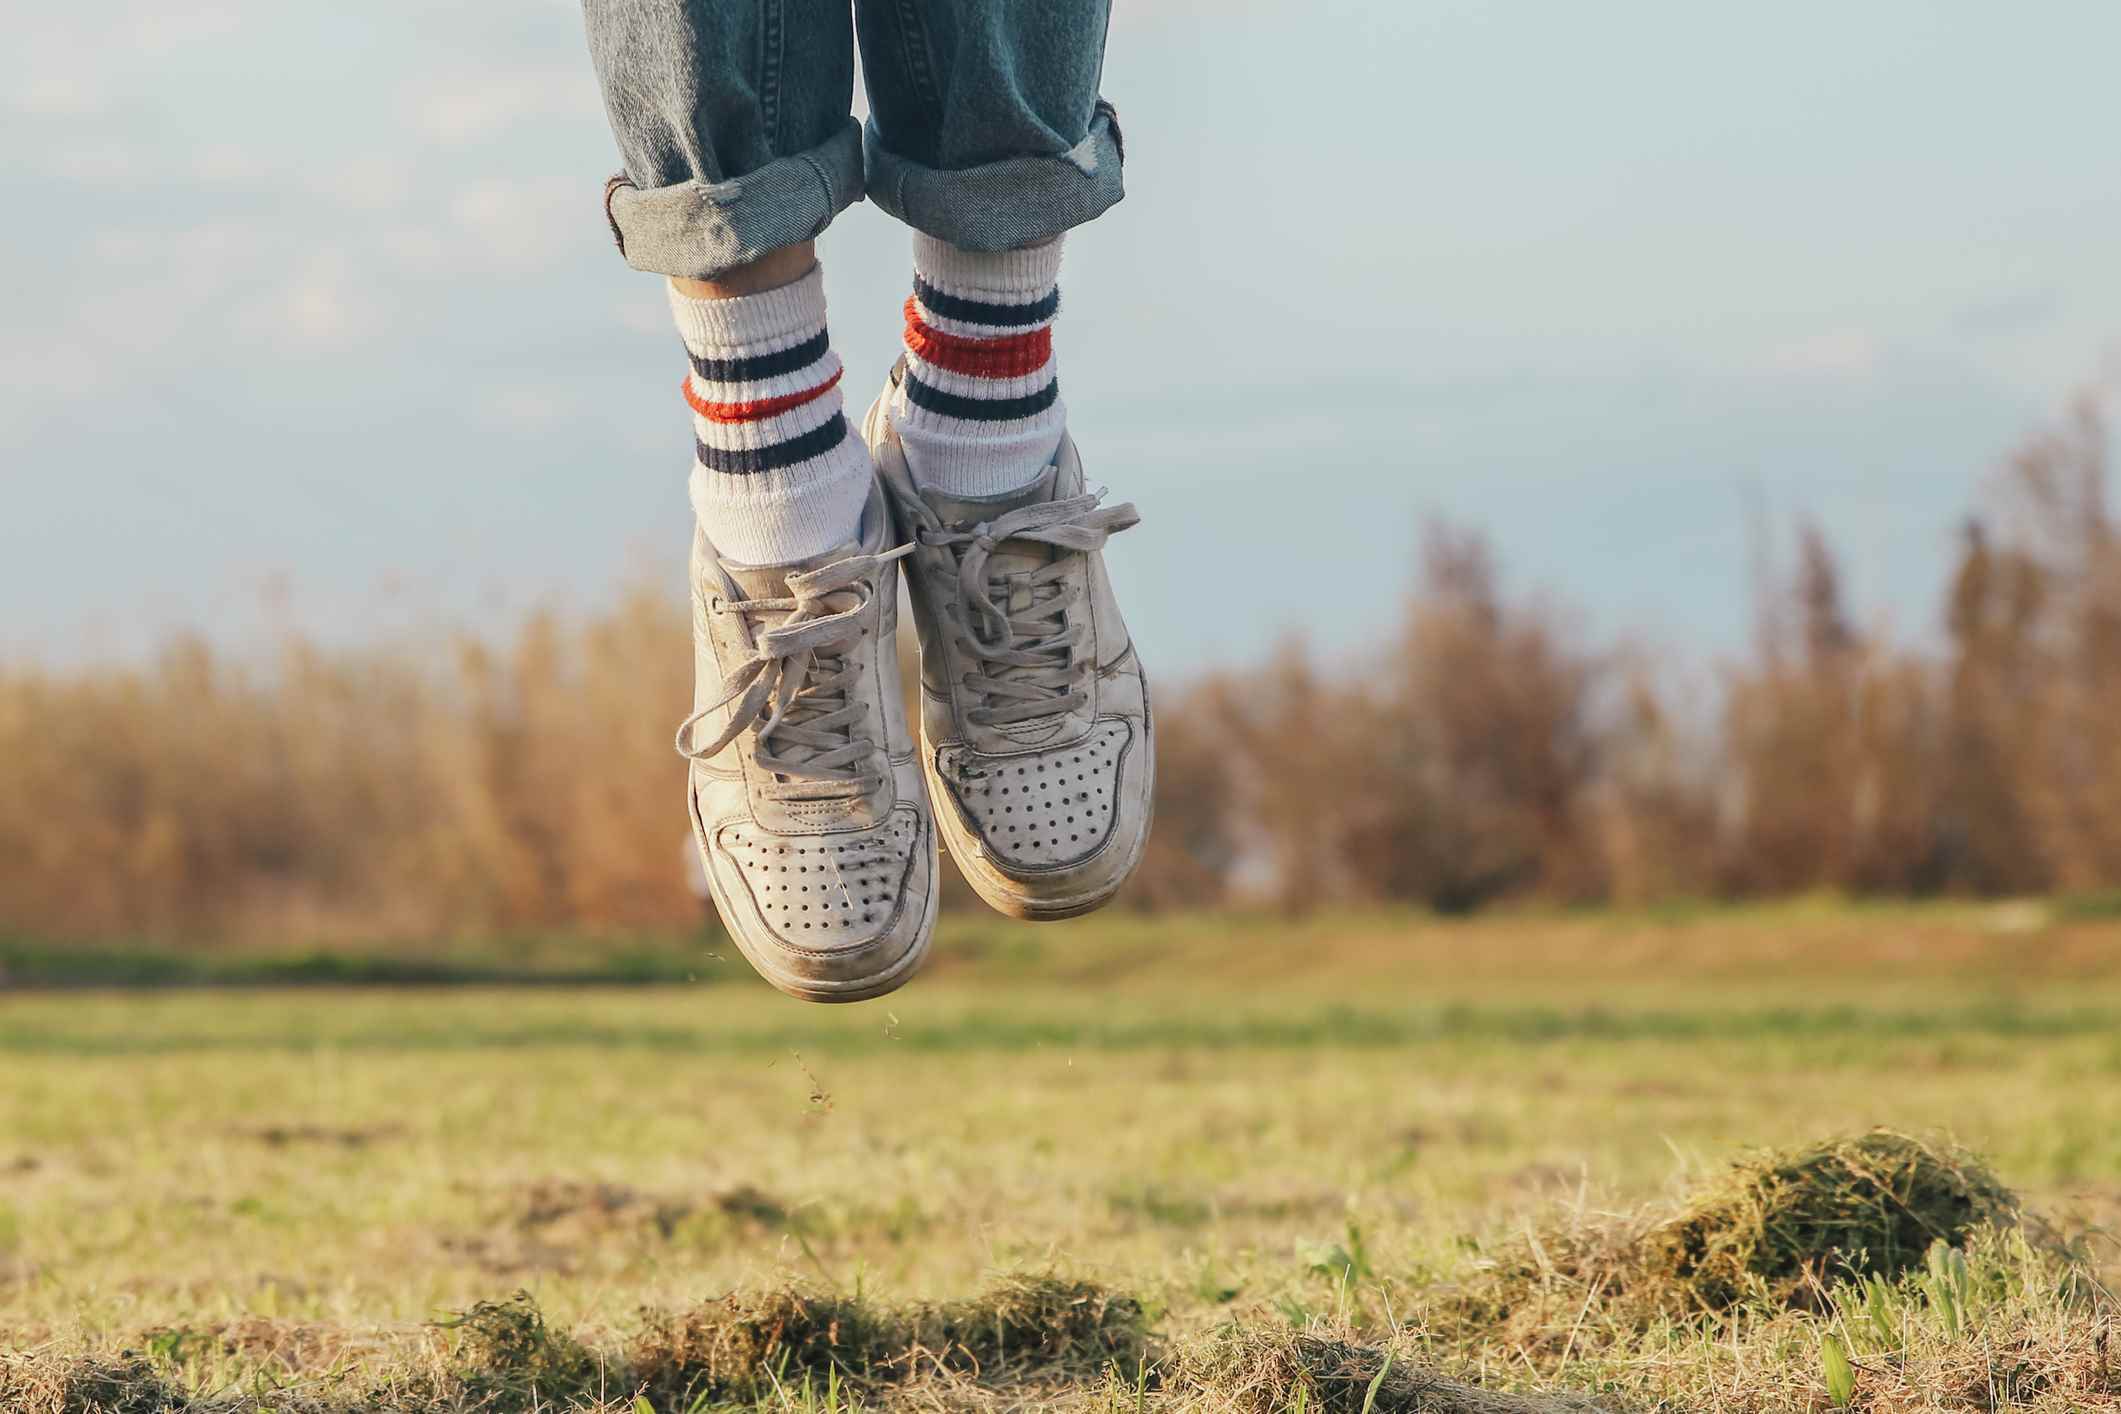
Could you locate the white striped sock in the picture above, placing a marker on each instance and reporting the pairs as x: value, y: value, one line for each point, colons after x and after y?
x: 777, y: 474
x: 978, y: 410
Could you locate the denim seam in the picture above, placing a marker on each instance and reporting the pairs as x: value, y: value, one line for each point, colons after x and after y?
x: 898, y: 191
x: 824, y: 179
x: 1110, y: 114
x: 770, y: 59
x: 914, y: 53
x: 611, y: 189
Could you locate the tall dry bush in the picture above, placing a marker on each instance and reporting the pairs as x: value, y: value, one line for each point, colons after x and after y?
x: 1194, y: 851
x: 1994, y: 768
x: 1997, y: 721
x: 1482, y: 745
x: 2044, y: 654
x: 352, y: 794
x: 1832, y: 744
x: 1658, y: 798
x: 1449, y: 767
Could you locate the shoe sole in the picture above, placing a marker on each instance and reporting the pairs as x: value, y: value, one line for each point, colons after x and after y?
x: 860, y: 989
x: 992, y: 885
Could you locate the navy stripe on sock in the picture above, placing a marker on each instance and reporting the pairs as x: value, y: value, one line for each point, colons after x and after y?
x: 935, y: 400
x: 814, y: 443
x: 758, y: 366
x: 972, y: 311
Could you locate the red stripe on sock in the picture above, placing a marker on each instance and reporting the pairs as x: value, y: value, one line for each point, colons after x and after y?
x: 762, y: 408
x: 1012, y: 356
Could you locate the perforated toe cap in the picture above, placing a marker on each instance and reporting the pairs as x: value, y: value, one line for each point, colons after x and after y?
x: 1041, y: 810
x: 827, y: 893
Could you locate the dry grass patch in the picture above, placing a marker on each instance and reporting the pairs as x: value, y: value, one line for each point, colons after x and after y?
x: 743, y: 1344
x: 747, y: 1350
x: 43, y: 1384
x: 1782, y: 1223
x: 507, y: 1357
x: 1271, y: 1368
x: 1774, y: 1230
x: 1024, y: 1327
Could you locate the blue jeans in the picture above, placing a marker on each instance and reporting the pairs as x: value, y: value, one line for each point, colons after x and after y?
x: 732, y: 118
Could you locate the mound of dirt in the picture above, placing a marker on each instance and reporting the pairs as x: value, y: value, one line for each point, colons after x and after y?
x: 1784, y: 1223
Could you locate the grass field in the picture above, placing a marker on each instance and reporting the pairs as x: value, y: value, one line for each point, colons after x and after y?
x: 1115, y: 1164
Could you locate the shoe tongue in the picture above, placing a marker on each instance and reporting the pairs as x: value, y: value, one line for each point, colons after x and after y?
x: 965, y: 512
x: 771, y: 581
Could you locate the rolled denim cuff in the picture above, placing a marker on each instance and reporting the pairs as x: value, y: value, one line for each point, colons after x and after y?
x: 1003, y: 205
x: 700, y: 230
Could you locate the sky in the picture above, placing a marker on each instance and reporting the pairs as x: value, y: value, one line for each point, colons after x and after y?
x: 312, y: 319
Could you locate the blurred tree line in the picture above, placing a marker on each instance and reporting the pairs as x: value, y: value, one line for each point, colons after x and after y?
x: 1487, y: 752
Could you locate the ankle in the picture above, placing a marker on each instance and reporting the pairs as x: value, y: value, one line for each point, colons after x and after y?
x: 780, y: 266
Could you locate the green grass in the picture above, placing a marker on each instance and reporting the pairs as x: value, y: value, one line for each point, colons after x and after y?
x: 29, y: 963
x: 1293, y: 1146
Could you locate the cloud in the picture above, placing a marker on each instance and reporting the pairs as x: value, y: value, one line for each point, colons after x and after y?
x: 2013, y: 313
x: 515, y: 227
x: 156, y: 30
x: 152, y: 287
x: 36, y: 378
x: 533, y: 407
x: 94, y: 161
x: 318, y: 306
x: 228, y: 164
x: 1846, y: 354
x: 461, y: 109
x: 372, y: 183
x: 59, y: 95
x: 68, y: 62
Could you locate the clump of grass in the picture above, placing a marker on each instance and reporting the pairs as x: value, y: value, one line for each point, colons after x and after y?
x: 1270, y: 1368
x: 125, y: 1384
x: 748, y: 1344
x: 1779, y: 1224
x: 1575, y: 1277
x: 743, y: 1344
x: 507, y: 1357
x: 1773, y: 1232
x: 1045, y: 1323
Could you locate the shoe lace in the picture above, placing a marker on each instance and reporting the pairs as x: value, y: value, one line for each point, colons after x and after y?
x: 1015, y: 626
x: 797, y: 688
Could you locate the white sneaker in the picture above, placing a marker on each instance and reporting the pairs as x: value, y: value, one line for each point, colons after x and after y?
x: 1035, y: 730
x: 806, y: 800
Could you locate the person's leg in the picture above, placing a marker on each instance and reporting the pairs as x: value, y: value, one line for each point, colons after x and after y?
x: 986, y: 130
x: 733, y: 124
x: 987, y: 136
x: 810, y: 814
